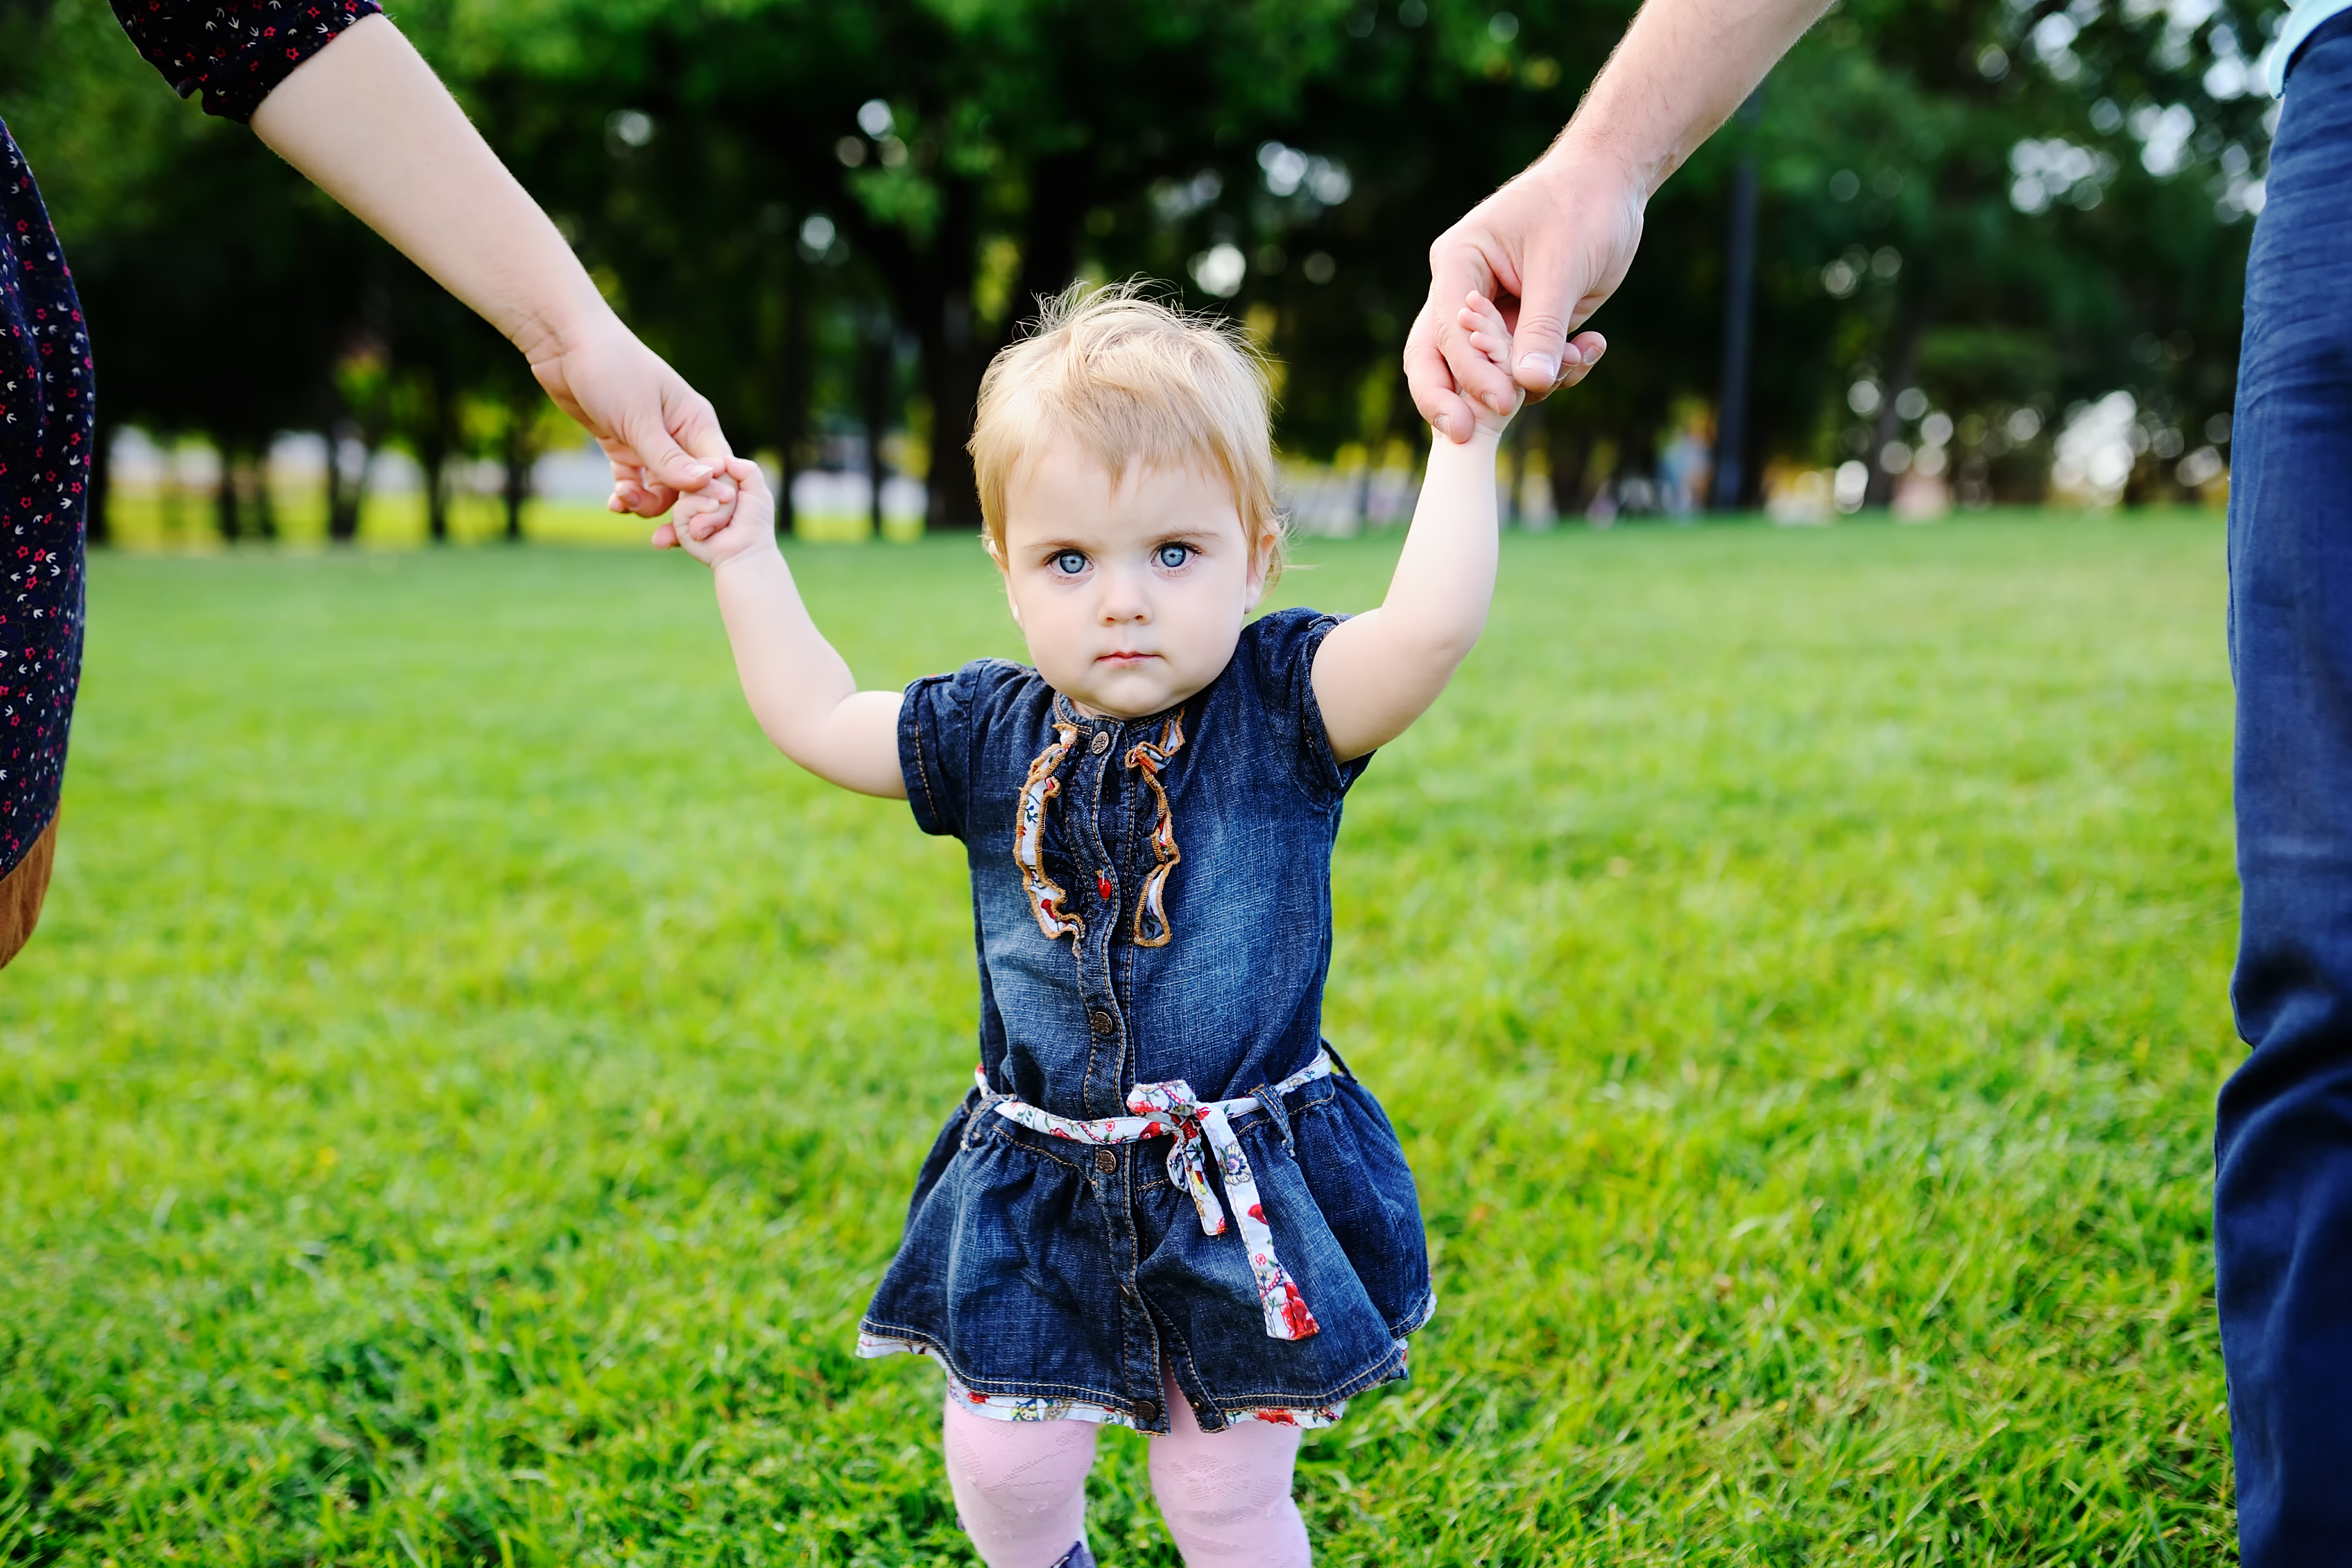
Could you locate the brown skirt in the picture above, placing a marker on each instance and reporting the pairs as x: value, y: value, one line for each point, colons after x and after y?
x: 21, y: 892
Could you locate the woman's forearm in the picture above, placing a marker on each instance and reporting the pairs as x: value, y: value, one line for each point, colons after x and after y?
x: 369, y: 123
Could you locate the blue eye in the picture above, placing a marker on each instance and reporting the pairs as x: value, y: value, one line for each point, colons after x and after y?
x: 1171, y: 557
x: 1069, y: 563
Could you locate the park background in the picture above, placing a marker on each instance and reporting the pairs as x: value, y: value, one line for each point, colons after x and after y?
x: 465, y: 1084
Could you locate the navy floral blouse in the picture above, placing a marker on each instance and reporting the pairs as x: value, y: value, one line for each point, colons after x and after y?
x: 235, y: 54
x: 44, y: 431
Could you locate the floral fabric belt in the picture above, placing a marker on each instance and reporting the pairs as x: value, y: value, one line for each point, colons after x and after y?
x: 1168, y: 1109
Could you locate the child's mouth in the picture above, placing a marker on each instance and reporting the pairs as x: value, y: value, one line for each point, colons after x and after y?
x: 1124, y: 658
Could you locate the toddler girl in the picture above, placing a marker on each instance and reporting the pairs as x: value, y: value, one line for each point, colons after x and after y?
x: 1167, y: 1203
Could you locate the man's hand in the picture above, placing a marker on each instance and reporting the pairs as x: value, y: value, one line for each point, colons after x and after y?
x: 1483, y: 331
x: 1556, y: 242
x: 1549, y: 247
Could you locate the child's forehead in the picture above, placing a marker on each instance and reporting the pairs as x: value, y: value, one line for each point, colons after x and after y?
x: 1061, y: 458
x: 1066, y: 484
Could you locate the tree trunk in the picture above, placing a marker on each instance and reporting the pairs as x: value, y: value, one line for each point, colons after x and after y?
x: 176, y: 494
x: 1728, y: 484
x: 881, y: 379
x: 522, y: 456
x: 1569, y: 451
x: 433, y: 455
x: 1881, y: 489
x: 225, y: 507
x: 952, y: 381
x: 265, y: 506
x: 952, y: 363
x: 790, y: 398
x: 345, y: 496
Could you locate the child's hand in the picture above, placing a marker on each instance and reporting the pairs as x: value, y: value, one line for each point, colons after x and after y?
x: 733, y: 514
x: 1483, y: 321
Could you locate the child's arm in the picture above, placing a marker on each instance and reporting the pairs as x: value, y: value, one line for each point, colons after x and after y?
x: 1375, y: 673
x: 800, y: 691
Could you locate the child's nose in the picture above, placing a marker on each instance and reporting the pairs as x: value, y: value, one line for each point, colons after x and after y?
x: 1123, y: 599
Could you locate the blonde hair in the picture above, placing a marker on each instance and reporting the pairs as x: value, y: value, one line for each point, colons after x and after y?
x: 1134, y: 382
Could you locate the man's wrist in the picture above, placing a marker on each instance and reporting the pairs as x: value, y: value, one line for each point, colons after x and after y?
x: 1588, y: 159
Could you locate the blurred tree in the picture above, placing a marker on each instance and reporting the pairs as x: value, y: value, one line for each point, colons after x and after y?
x: 1977, y: 208
x: 1975, y: 214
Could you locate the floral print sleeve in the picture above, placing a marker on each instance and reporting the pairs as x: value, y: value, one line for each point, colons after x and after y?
x: 235, y: 52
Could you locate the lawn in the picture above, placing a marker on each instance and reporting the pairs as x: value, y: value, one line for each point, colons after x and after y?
x: 466, y: 1085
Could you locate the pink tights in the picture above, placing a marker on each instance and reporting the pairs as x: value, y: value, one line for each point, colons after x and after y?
x: 1020, y: 1487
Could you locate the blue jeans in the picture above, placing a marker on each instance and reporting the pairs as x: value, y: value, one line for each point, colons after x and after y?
x: 2283, y: 1144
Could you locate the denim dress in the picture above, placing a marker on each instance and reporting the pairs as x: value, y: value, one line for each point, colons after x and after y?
x: 1152, y: 904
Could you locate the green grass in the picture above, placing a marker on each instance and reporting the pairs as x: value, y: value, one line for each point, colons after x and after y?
x: 148, y: 521
x: 466, y: 1085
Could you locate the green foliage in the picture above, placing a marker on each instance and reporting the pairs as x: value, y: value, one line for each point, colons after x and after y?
x: 710, y: 162
x: 1959, y: 201
x: 466, y: 1084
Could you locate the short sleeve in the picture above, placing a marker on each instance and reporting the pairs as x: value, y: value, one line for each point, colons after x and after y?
x: 235, y: 52
x: 941, y: 726
x: 1279, y: 650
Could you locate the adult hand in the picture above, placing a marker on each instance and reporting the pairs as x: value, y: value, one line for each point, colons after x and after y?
x: 1549, y: 247
x: 368, y: 121
x: 1554, y: 243
x: 659, y: 434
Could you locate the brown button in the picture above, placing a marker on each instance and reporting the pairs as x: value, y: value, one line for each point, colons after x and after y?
x: 1100, y: 1021
x: 1147, y: 1411
x: 1101, y: 742
x: 1105, y: 1161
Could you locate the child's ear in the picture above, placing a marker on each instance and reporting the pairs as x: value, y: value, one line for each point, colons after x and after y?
x: 996, y: 553
x: 1261, y: 566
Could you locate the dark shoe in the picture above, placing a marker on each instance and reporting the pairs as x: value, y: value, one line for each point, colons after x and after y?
x: 1077, y: 1556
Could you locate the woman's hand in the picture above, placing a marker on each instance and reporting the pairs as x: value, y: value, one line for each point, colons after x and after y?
x: 732, y: 515
x: 370, y: 124
x: 659, y: 434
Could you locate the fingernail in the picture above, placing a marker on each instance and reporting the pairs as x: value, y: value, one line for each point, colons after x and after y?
x: 700, y: 470
x: 1546, y: 368
x: 1444, y: 426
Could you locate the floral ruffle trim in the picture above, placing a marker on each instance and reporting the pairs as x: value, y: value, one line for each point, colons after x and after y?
x: 1051, y: 1408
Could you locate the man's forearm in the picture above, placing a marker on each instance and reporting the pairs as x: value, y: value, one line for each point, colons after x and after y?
x: 369, y: 123
x: 1676, y: 77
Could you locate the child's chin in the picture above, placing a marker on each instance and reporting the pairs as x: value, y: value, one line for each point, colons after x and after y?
x: 1127, y: 700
